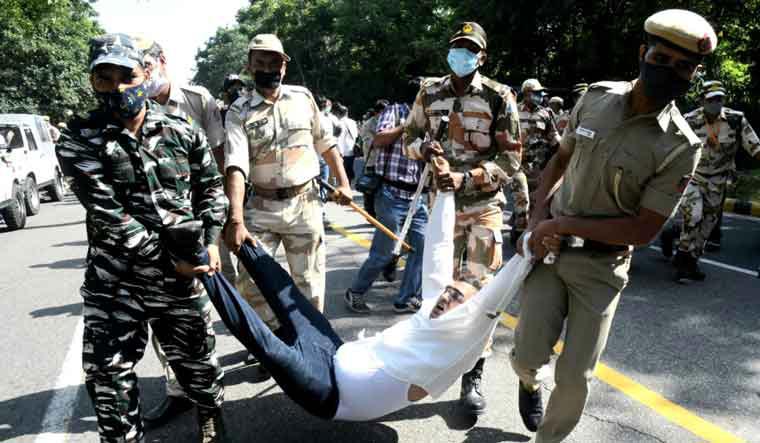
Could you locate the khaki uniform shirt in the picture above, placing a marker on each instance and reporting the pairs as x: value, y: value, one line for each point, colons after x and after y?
x: 483, y: 131
x: 721, y: 141
x: 196, y: 105
x: 621, y: 164
x: 276, y: 144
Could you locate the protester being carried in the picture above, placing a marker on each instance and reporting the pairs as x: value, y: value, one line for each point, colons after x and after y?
x: 371, y: 377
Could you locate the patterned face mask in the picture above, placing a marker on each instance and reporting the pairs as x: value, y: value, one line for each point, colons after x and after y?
x: 713, y: 107
x: 127, y: 103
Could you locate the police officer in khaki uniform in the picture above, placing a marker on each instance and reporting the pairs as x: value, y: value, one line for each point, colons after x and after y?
x: 482, y: 147
x: 621, y: 160
x: 274, y: 137
x: 196, y: 105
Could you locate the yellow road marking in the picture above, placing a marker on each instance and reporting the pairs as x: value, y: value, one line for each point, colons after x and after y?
x: 659, y: 404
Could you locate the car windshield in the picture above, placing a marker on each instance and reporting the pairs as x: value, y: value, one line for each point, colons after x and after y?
x: 10, y: 137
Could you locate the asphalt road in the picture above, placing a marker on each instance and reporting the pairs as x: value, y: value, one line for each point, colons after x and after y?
x: 682, y: 363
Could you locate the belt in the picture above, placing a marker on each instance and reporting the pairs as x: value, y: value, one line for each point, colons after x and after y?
x: 573, y: 242
x: 281, y: 193
x: 400, y: 185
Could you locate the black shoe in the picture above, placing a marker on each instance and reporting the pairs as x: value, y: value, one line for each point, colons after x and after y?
x: 712, y: 246
x: 356, y: 303
x: 410, y: 306
x: 170, y: 407
x: 514, y: 235
x: 667, y: 238
x: 687, y: 269
x: 210, y: 425
x: 470, y: 397
x: 531, y: 407
x: 389, y: 273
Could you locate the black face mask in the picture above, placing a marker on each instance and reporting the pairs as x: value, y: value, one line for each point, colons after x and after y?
x: 662, y: 83
x: 267, y: 80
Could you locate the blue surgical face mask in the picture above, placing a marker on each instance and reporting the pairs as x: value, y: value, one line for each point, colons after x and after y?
x: 536, y: 98
x: 462, y: 61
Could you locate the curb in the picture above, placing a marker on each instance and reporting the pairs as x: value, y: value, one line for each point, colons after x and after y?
x: 743, y: 207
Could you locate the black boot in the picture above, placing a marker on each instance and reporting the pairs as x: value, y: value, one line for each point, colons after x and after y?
x: 687, y: 269
x: 210, y: 425
x: 470, y: 398
x: 667, y: 237
x: 531, y: 407
x: 171, y: 407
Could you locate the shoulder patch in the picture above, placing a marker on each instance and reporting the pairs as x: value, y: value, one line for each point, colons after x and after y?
x: 195, y: 90
x: 297, y: 89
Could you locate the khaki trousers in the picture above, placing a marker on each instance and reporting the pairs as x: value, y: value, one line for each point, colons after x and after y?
x: 582, y: 288
x: 297, y: 224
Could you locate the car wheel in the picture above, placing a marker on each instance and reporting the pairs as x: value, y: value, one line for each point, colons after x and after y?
x: 15, y: 213
x: 55, y: 190
x: 32, y: 197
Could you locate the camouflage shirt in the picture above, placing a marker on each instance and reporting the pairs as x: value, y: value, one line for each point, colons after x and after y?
x: 537, y: 128
x: 721, y: 141
x: 133, y: 187
x: 483, y: 132
x: 276, y: 144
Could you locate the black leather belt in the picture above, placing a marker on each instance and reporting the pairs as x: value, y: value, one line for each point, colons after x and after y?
x: 281, y: 193
x: 574, y: 242
x: 400, y: 185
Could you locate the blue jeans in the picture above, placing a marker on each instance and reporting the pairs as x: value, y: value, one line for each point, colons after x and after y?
x: 300, y: 356
x: 324, y: 174
x: 391, y: 211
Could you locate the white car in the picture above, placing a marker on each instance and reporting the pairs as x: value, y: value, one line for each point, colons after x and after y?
x: 28, y: 164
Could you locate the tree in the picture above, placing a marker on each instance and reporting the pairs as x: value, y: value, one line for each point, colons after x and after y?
x: 44, y: 48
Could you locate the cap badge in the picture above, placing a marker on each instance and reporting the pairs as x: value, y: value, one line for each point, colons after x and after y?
x: 467, y: 28
x: 704, y: 44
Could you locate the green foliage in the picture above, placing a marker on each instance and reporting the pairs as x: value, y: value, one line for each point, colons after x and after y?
x: 44, y: 48
x: 359, y: 50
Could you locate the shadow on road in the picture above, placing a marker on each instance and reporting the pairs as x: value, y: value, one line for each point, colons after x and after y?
x: 71, y: 263
x: 72, y: 310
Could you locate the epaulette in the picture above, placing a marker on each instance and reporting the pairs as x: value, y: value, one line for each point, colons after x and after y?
x: 499, y: 88
x: 733, y: 113
x: 430, y: 81
x: 678, y: 119
x: 196, y: 90
x: 608, y: 87
x: 298, y: 89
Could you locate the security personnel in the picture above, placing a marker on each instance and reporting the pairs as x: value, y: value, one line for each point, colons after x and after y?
x: 483, y: 149
x: 232, y: 89
x: 138, y: 170
x: 561, y: 116
x: 621, y: 163
x: 274, y: 137
x: 723, y: 131
x: 539, y: 139
x: 196, y: 105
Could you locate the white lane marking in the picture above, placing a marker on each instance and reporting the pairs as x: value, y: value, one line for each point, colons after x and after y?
x: 719, y: 264
x: 58, y: 414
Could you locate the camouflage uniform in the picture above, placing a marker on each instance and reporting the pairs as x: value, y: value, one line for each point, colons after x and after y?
x: 131, y: 190
x: 483, y: 137
x: 539, y: 137
x: 276, y: 145
x: 196, y: 105
x: 702, y: 202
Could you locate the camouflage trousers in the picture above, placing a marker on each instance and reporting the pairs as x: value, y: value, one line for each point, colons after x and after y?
x: 297, y: 224
x: 229, y: 270
x: 700, y: 207
x: 477, y: 245
x: 116, y: 314
x: 518, y: 188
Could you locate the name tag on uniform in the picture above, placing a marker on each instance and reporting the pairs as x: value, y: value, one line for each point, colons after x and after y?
x: 585, y: 132
x: 257, y: 123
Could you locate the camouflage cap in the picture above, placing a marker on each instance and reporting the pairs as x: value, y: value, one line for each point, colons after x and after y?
x: 532, y: 84
x: 471, y: 31
x: 556, y: 99
x: 267, y: 42
x: 115, y: 49
x: 713, y: 88
x: 684, y: 29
